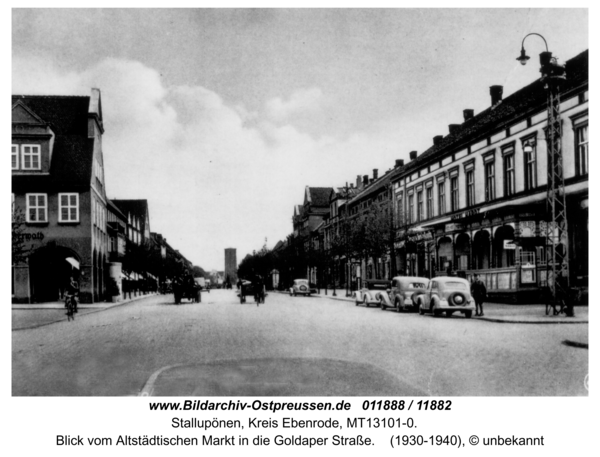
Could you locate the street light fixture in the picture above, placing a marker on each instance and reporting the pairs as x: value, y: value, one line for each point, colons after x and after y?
x: 557, y: 273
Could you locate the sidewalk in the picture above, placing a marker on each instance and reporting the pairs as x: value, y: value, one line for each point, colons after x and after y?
x: 50, y: 313
x: 500, y: 312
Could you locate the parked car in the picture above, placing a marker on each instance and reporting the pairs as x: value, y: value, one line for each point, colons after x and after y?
x: 300, y: 287
x: 449, y: 294
x: 373, y: 292
x: 403, y: 293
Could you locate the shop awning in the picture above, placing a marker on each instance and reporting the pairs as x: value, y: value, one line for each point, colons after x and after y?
x: 73, y: 262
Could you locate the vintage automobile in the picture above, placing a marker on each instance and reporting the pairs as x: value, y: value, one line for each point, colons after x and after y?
x: 403, y: 293
x: 447, y: 294
x: 186, y: 288
x: 301, y: 287
x: 373, y: 293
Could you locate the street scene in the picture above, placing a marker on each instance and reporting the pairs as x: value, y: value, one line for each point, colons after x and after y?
x: 296, y: 346
x: 300, y: 202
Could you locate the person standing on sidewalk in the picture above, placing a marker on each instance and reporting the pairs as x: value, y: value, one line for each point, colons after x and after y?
x: 479, y: 293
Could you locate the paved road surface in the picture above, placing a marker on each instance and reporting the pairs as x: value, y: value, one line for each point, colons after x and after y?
x: 292, y: 346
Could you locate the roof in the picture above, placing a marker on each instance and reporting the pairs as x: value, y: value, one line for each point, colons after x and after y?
x: 114, y: 209
x: 520, y: 104
x: 72, y: 154
x: 138, y: 208
x: 376, y: 186
x: 318, y: 196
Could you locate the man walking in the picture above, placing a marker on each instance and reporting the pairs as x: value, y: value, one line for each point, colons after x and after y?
x: 479, y: 293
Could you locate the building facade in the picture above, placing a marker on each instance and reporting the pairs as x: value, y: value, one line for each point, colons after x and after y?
x: 58, y: 184
x: 475, y: 202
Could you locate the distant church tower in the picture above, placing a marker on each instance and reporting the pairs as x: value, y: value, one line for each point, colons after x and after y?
x: 231, y: 265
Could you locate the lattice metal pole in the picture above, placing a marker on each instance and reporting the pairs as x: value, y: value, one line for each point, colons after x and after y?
x: 557, y: 273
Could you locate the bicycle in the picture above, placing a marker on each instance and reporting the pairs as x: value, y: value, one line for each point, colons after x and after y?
x: 71, y: 305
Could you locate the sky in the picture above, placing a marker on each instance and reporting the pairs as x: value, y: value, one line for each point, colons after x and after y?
x: 221, y: 117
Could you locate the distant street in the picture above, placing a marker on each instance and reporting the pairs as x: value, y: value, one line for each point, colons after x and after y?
x: 292, y: 346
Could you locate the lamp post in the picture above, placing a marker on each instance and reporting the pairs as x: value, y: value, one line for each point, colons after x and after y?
x: 557, y: 263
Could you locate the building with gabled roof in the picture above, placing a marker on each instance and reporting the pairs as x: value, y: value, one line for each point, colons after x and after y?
x: 58, y: 183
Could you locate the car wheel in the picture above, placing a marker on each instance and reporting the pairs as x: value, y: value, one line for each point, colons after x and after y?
x: 399, y: 305
x: 366, y: 301
x: 457, y: 299
x: 468, y: 314
x: 421, y: 312
x: 381, y: 304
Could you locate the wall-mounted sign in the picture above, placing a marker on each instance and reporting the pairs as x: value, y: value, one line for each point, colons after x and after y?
x: 38, y: 236
x: 510, y: 244
x: 470, y: 212
x: 454, y: 227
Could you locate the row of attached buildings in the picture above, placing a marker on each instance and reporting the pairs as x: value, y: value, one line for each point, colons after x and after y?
x: 63, y: 220
x: 472, y: 203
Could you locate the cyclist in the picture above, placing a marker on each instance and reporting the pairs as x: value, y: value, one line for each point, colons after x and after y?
x: 71, y: 293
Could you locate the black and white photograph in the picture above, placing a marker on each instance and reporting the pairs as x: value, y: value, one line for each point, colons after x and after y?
x: 299, y: 228
x: 300, y: 202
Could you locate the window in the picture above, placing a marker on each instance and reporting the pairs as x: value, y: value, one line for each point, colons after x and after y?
x: 420, y: 212
x: 441, y: 198
x: 37, y: 208
x: 400, y: 213
x: 15, y: 157
x: 429, y: 202
x: 68, y: 209
x: 509, y: 170
x: 490, y: 181
x: 454, y: 193
x: 581, y: 147
x: 31, y: 157
x: 470, y: 178
x: 411, y: 209
x: 530, y: 154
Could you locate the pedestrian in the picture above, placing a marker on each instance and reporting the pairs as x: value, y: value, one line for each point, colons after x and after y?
x: 479, y: 293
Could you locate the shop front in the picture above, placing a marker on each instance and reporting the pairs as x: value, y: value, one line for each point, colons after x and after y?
x: 506, y: 247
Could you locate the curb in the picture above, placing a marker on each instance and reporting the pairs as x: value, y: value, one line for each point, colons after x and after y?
x: 93, y: 311
x: 498, y: 320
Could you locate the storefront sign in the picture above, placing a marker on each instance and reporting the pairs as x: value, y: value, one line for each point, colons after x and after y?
x: 470, y: 212
x: 510, y: 244
x: 39, y: 236
x: 454, y: 227
x: 414, y: 238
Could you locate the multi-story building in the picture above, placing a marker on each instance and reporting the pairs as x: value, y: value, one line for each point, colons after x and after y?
x: 58, y: 182
x: 475, y: 202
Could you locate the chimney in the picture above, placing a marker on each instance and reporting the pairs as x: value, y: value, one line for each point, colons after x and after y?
x: 437, y: 139
x: 365, y: 180
x: 399, y: 163
x: 351, y: 185
x: 452, y: 128
x: 375, y: 173
x: 413, y: 155
x: 468, y: 114
x: 358, y: 181
x: 496, y: 93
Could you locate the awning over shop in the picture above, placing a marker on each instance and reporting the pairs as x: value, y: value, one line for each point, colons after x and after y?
x: 73, y: 262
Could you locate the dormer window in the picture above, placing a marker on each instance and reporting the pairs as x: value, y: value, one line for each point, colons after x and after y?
x: 30, y: 157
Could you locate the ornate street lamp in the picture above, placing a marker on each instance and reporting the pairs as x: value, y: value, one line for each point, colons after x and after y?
x: 557, y: 273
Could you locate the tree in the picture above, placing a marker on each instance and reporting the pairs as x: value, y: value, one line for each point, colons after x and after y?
x: 19, y: 249
x: 199, y: 272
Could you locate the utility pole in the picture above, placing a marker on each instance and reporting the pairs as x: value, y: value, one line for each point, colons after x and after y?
x: 557, y: 263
